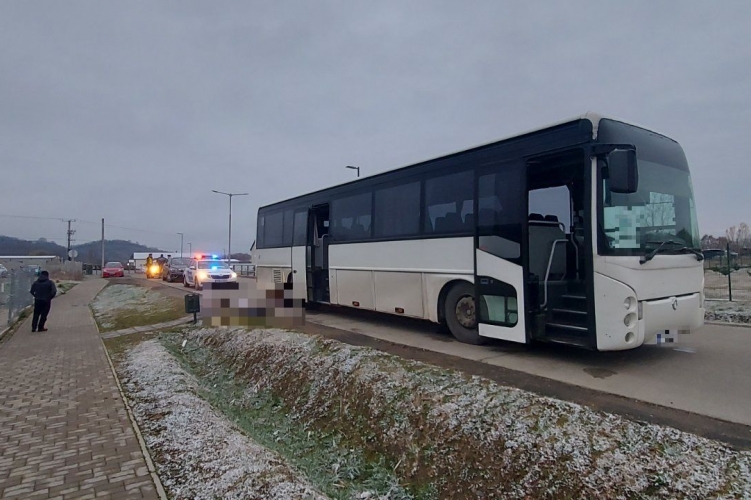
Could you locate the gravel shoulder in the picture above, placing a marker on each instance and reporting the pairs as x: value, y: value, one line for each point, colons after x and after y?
x: 724, y: 311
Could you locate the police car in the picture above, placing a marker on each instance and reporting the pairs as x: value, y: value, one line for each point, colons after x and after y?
x: 207, y: 269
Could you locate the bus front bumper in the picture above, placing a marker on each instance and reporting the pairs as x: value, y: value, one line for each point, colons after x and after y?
x: 663, y: 319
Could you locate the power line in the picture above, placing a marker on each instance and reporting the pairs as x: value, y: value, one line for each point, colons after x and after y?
x: 33, y: 217
x: 127, y: 228
x: 84, y: 221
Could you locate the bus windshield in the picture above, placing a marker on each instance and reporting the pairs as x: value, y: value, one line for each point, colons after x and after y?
x: 662, y: 210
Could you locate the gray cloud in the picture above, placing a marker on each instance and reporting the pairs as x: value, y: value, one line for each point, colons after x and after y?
x: 134, y: 112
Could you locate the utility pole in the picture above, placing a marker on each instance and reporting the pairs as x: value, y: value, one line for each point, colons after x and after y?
x: 190, y: 248
x: 71, y: 232
x: 102, y: 245
x: 181, y: 244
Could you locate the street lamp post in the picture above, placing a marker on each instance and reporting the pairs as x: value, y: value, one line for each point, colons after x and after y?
x: 181, y: 244
x: 354, y: 168
x: 229, y: 242
x: 190, y: 248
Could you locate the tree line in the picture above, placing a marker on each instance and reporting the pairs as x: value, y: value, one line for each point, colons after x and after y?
x: 739, y: 238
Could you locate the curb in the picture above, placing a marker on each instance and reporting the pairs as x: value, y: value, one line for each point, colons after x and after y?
x: 11, y: 329
x: 146, y: 455
x: 728, y: 323
x: 144, y: 329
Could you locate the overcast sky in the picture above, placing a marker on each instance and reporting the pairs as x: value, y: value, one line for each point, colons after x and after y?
x: 135, y: 111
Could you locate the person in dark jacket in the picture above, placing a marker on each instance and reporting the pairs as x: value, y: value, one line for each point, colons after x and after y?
x: 43, y: 290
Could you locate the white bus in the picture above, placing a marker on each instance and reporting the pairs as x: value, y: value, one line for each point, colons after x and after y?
x: 582, y: 233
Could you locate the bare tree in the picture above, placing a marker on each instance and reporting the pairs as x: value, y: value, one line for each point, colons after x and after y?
x: 738, y: 236
x: 743, y: 235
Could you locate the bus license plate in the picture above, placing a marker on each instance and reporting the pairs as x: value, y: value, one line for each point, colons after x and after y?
x: 667, y: 337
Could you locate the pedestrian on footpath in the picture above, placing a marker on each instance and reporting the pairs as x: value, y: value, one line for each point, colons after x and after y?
x: 43, y: 290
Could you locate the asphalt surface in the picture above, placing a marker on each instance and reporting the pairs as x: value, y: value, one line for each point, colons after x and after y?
x: 701, y: 385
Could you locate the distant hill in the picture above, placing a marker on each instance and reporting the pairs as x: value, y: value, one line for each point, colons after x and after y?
x: 114, y: 250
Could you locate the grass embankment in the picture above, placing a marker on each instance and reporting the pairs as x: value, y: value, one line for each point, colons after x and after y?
x: 334, y: 464
x: 125, y: 306
x: 350, y: 416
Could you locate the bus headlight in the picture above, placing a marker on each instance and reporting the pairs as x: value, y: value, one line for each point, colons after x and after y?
x: 630, y: 303
x: 629, y: 320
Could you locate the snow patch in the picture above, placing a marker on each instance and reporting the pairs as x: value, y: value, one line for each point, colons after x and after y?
x: 113, y: 299
x: 198, y: 452
x: 508, y: 443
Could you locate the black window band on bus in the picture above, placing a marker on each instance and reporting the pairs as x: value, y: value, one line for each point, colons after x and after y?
x: 300, y: 230
x: 287, y: 228
x: 397, y: 210
x: 449, y: 203
x: 273, y: 231
x: 351, y: 217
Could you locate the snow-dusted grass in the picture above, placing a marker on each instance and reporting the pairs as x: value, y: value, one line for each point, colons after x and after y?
x: 728, y: 312
x: 199, y: 454
x: 123, y: 306
x: 64, y: 286
x: 467, y: 437
x: 334, y: 466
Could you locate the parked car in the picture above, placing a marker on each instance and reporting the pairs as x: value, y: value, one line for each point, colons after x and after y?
x: 174, y: 269
x: 208, y: 270
x: 114, y: 270
x: 3, y: 271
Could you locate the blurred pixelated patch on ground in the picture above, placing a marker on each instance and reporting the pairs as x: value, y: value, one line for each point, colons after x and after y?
x: 250, y: 304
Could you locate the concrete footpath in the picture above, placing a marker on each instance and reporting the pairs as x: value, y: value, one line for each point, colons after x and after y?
x: 64, y: 428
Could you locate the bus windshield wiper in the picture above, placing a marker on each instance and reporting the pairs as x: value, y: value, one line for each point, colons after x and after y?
x: 651, y: 255
x: 683, y: 248
x: 699, y: 255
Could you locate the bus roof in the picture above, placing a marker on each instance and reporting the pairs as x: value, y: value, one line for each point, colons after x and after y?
x: 593, y: 118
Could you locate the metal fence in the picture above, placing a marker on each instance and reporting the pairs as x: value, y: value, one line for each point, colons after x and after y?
x: 66, y: 269
x: 14, y: 295
x: 248, y: 270
x: 728, y: 277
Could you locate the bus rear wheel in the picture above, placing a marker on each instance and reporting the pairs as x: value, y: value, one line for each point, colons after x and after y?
x: 461, y: 314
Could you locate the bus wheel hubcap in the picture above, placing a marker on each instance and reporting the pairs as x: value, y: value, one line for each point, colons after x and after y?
x: 465, y: 312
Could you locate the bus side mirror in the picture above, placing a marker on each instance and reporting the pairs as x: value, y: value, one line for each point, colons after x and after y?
x: 623, y: 171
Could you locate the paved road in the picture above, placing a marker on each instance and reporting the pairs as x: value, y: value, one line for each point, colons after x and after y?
x: 706, y: 373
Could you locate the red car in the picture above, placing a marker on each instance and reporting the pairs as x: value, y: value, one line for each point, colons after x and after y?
x: 114, y: 270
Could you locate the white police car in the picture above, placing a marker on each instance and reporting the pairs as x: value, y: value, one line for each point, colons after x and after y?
x: 208, y: 269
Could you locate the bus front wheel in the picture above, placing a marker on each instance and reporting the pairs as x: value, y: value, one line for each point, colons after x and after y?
x: 461, y: 314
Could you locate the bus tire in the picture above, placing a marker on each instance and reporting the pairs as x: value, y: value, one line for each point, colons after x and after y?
x: 461, y: 314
